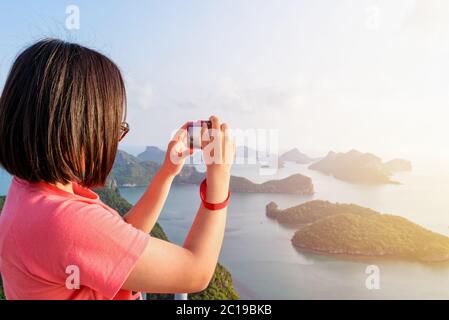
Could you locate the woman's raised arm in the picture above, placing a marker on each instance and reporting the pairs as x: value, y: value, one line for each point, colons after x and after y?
x: 167, y: 268
x: 145, y: 212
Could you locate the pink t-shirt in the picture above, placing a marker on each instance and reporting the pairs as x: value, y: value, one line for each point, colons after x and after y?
x: 49, y: 238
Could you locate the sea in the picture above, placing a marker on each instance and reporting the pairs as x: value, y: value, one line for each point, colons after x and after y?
x: 265, y: 265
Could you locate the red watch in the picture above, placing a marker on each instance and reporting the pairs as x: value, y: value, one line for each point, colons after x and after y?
x: 208, y: 205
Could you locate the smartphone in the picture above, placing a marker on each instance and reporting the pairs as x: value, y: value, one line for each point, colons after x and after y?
x: 194, y: 132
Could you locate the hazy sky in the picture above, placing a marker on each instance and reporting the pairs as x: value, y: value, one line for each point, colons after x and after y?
x: 371, y: 75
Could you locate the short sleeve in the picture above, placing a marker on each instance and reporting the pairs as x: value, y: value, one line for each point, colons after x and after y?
x: 102, y: 245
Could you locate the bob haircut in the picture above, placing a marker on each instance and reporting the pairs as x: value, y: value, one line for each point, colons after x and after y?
x: 60, y: 114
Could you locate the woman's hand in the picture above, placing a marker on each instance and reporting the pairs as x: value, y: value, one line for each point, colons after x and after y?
x: 218, y: 154
x: 177, y: 152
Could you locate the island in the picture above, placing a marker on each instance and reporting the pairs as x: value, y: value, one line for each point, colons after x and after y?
x: 354, y: 231
x: 130, y: 171
x: 311, y: 211
x: 296, y: 156
x: 220, y: 287
x: 357, y: 167
x: 294, y: 184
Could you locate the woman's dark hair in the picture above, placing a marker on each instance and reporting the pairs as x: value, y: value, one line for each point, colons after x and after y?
x: 60, y: 114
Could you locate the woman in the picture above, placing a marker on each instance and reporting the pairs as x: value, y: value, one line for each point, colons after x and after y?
x: 62, y: 116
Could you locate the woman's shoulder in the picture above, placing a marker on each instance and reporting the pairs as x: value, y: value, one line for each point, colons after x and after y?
x: 40, y: 208
x: 42, y: 196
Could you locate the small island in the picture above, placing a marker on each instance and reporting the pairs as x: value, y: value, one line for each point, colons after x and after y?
x: 294, y: 155
x: 294, y: 184
x: 357, y: 167
x: 311, y: 211
x: 354, y: 231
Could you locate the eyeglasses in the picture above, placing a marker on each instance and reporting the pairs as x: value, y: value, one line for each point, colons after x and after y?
x: 124, y: 129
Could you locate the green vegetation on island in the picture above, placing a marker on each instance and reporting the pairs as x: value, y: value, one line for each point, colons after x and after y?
x: 312, y: 211
x: 130, y: 171
x: 294, y: 184
x: 351, y: 230
x: 220, y: 287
